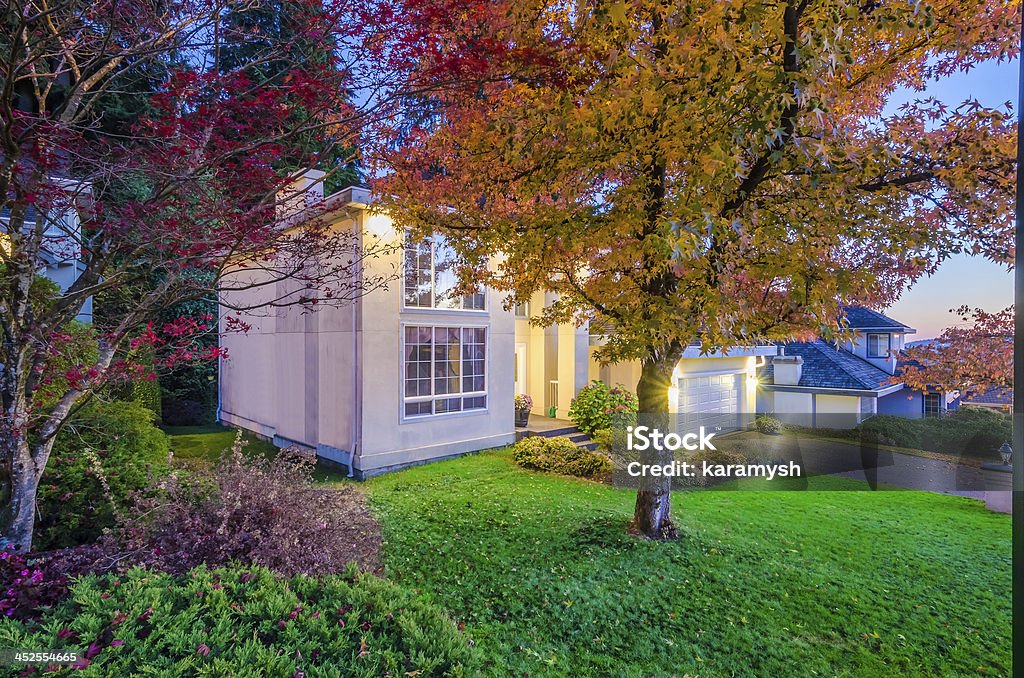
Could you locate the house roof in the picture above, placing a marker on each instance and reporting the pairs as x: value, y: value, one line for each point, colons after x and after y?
x: 995, y: 395
x: 826, y: 366
x: 861, y: 318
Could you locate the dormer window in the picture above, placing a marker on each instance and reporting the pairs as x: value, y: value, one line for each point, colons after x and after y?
x: 879, y: 345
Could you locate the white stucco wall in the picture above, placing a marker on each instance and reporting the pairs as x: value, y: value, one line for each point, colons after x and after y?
x: 390, y: 439
x: 331, y: 378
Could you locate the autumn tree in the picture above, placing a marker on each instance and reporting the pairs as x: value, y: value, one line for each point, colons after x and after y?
x: 190, y: 179
x: 709, y: 173
x: 976, y: 354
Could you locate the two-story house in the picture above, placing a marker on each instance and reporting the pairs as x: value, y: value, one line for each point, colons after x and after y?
x: 416, y: 372
x: 828, y: 385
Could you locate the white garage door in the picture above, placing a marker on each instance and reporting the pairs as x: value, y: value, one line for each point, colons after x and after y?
x: 712, y: 402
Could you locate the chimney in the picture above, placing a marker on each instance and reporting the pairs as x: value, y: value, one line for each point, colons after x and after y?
x: 305, y: 189
x: 788, y: 369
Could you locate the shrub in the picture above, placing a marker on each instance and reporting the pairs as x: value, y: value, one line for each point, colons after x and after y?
x: 559, y: 455
x: 250, y: 509
x: 106, y: 452
x: 891, y: 430
x: 766, y: 424
x: 597, y: 406
x: 604, y: 439
x: 975, y: 433
x: 239, y: 620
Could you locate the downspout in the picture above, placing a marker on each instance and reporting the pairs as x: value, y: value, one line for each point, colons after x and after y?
x: 220, y: 368
x: 357, y: 372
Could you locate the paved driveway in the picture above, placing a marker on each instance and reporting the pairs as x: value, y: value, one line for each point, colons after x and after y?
x: 875, y: 466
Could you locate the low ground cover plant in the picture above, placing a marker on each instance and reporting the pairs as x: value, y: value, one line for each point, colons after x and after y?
x: 559, y: 455
x: 598, y: 406
x: 222, y: 621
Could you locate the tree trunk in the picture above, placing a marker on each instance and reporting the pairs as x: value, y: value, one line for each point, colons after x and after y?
x: 17, y: 518
x: 651, y: 517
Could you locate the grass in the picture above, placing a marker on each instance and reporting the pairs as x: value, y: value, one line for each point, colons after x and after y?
x: 202, y: 446
x: 542, y: 575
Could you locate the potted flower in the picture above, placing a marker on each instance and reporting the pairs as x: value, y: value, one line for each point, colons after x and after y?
x: 524, y: 404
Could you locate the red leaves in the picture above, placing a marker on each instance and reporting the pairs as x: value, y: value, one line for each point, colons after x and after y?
x: 978, y: 354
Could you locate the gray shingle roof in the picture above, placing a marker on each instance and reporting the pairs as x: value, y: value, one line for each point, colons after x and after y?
x: 826, y: 366
x: 995, y: 395
x: 858, y: 317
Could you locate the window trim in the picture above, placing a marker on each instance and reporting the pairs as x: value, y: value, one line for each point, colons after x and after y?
x: 924, y: 405
x: 887, y: 352
x: 433, y: 308
x: 411, y: 418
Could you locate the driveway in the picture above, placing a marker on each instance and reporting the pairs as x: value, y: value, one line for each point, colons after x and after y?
x: 865, y: 463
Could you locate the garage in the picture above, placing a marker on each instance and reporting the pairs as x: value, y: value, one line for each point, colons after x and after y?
x: 711, y: 401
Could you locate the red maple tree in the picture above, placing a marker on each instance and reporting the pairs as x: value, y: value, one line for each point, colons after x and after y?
x: 154, y: 210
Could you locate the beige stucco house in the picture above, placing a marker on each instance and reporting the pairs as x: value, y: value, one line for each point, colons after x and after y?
x: 413, y: 373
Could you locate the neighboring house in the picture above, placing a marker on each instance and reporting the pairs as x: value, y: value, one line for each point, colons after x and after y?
x: 415, y: 373
x: 825, y: 385
x: 60, y: 256
x: 998, y: 398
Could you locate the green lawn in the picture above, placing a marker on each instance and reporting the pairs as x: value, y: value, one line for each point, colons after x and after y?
x: 541, y: 573
x: 202, y: 446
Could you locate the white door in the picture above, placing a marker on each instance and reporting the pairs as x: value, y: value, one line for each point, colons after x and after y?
x: 712, y: 402
x: 520, y: 368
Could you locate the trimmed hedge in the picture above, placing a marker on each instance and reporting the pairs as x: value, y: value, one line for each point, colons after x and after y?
x: 968, y: 431
x: 107, y: 451
x: 246, y: 621
x: 559, y: 455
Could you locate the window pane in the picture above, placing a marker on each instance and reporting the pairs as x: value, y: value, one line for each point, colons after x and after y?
x: 475, y: 403
x: 448, y: 405
x: 414, y: 409
x: 445, y: 280
x: 417, y: 273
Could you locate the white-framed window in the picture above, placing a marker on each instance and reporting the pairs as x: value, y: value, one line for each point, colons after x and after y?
x: 430, y: 279
x: 444, y: 370
x: 522, y: 310
x: 932, y: 404
x: 878, y: 345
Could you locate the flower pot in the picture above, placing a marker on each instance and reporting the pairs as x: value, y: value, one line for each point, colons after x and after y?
x: 522, y: 418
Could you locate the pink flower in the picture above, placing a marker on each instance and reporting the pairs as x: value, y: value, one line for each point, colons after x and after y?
x: 203, y: 649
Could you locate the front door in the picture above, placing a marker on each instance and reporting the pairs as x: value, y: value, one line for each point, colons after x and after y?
x: 520, y: 368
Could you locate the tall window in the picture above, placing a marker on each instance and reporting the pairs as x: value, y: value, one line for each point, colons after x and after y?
x: 445, y: 370
x: 430, y: 280
x: 522, y: 310
x: 933, y: 404
x: 878, y: 345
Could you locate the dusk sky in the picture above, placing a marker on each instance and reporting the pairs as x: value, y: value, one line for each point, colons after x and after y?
x: 961, y: 279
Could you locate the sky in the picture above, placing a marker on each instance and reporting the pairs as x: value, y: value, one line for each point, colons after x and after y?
x: 962, y: 279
